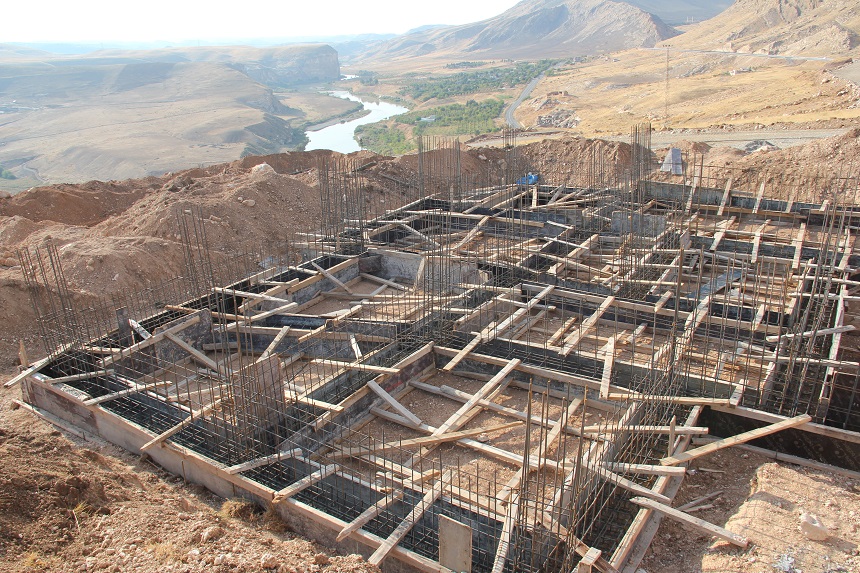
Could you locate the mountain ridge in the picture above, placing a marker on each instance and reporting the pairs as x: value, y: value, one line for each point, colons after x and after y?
x: 536, y: 29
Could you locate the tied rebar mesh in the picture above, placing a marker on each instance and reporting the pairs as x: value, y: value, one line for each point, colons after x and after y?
x: 606, y: 296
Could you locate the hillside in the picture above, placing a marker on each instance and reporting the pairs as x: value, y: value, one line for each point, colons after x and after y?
x: 115, y: 115
x: 675, y: 12
x: 719, y: 74
x: 828, y: 28
x: 535, y: 29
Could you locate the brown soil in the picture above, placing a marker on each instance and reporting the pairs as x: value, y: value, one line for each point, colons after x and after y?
x: 762, y: 501
x: 74, y: 505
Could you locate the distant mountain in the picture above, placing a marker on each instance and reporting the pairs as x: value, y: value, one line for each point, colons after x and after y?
x: 780, y: 27
x: 118, y: 114
x: 675, y: 12
x: 536, y: 29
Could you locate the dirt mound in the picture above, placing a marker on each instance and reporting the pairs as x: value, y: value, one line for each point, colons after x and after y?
x: 808, y: 171
x: 88, y: 506
x: 692, y: 147
x: 770, y: 518
x: 85, y: 205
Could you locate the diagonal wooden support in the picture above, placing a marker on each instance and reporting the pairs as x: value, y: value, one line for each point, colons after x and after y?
x: 504, y: 546
x: 625, y: 483
x: 108, y: 360
x: 725, y: 200
x: 332, y: 278
x: 274, y: 344
x: 181, y: 425
x: 759, y: 198
x: 798, y: 246
x: 608, y: 363
x: 699, y: 524
x: 403, y: 528
x: 195, y: 354
x: 494, y: 386
x: 431, y: 440
x: 734, y: 440
x: 304, y: 483
x: 589, y: 323
x: 369, y: 514
x: 264, y: 461
x: 397, y: 406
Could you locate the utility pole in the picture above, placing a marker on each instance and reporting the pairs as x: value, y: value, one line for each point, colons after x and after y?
x: 666, y: 109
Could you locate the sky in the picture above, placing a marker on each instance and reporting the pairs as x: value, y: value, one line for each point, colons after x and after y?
x: 92, y: 21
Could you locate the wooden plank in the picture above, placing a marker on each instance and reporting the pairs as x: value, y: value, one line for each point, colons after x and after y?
x: 431, y: 440
x: 725, y: 200
x: 645, y: 469
x: 511, y: 516
x: 108, y: 360
x: 369, y: 514
x: 356, y: 366
x: 699, y: 500
x: 264, y: 461
x: 274, y: 344
x: 195, y: 354
x: 398, y: 407
x: 589, y: 323
x: 461, y: 396
x: 181, y: 425
x: 383, y: 281
x: 663, y: 300
x: 613, y: 429
x: 811, y: 333
x: 459, y: 417
x: 455, y: 545
x: 692, y: 521
x: 82, y: 376
x: 141, y: 331
x: 558, y: 334
x: 331, y: 277
x: 625, y: 483
x: 738, y: 439
x: 798, y: 246
x: 608, y: 363
x: 759, y: 198
x: 589, y: 561
x: 304, y: 483
x: 403, y: 528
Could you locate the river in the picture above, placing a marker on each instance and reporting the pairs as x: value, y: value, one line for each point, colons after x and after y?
x: 340, y: 136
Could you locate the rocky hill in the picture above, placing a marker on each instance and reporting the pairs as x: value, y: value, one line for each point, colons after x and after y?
x: 676, y: 12
x: 829, y: 28
x: 536, y: 29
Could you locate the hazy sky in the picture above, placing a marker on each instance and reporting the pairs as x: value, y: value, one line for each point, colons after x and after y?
x: 176, y: 20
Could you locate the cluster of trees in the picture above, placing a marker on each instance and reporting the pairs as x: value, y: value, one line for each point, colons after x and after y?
x: 456, y: 118
x: 367, y: 78
x: 471, y: 118
x: 464, y: 83
x: 463, y: 65
x: 384, y: 139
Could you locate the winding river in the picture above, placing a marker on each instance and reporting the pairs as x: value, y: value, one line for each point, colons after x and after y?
x: 341, y: 136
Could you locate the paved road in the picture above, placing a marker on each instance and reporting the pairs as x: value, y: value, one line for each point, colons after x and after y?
x: 527, y: 91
